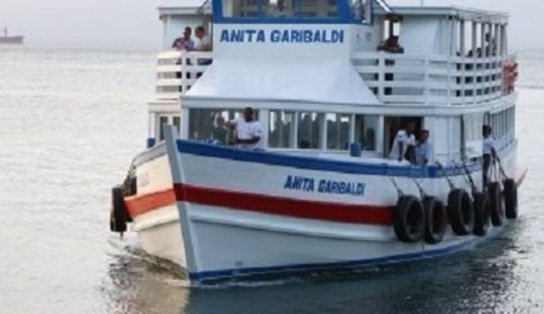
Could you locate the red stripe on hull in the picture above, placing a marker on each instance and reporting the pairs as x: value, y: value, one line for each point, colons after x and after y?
x: 348, y: 213
x: 141, y: 204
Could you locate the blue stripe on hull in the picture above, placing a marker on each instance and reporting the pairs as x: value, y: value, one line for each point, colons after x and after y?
x: 322, y: 164
x: 217, y: 275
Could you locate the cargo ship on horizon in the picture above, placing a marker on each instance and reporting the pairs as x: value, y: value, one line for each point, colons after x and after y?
x: 11, y: 40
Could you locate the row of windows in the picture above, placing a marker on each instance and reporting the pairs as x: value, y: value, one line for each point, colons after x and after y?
x: 503, y: 125
x: 291, y: 8
x: 290, y: 129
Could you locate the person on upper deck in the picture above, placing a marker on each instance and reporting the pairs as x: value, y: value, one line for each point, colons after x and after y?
x: 248, y: 130
x: 489, y: 154
x: 404, y: 143
x: 204, y: 41
x: 424, y: 149
x: 185, y: 42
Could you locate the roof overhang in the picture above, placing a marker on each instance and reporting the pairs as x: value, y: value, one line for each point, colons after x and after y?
x: 334, y: 82
x: 464, y: 13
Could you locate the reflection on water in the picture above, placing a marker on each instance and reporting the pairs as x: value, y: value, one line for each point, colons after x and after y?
x: 71, y: 121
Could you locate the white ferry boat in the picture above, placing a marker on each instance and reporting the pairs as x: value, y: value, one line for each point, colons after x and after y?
x: 331, y: 83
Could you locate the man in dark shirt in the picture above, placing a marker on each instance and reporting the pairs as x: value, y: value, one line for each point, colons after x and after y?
x: 185, y: 42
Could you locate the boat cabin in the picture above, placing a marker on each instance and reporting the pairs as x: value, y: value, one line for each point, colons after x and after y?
x: 323, y: 74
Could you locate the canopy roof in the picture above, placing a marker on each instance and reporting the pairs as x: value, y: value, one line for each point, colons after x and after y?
x: 330, y: 82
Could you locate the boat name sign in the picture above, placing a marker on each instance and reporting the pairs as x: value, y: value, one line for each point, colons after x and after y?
x: 306, y: 184
x: 325, y: 36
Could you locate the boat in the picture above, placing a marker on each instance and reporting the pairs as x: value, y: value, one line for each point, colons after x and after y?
x: 331, y: 82
x: 11, y: 40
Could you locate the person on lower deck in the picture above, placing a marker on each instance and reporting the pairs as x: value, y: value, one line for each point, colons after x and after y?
x: 489, y: 154
x: 248, y: 130
x: 424, y: 149
x: 404, y: 143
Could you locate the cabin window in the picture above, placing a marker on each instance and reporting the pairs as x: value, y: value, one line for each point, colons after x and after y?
x: 366, y: 131
x: 281, y: 130
x: 209, y: 124
x: 280, y: 8
x: 337, y: 131
x: 309, y: 130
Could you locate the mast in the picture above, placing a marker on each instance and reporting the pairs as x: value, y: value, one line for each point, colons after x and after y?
x: 5, y: 31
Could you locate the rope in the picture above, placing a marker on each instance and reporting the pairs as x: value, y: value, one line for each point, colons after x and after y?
x: 452, y: 186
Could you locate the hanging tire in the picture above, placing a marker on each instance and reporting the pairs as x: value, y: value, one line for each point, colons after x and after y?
x: 482, y: 214
x: 461, y: 212
x: 409, y: 219
x: 510, y: 198
x: 118, y: 216
x: 436, y: 220
x: 495, y: 203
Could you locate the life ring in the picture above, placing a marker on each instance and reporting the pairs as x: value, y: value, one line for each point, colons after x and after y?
x: 495, y: 203
x: 510, y: 198
x: 409, y: 219
x: 118, y: 216
x: 460, y: 211
x: 482, y: 213
x: 436, y: 220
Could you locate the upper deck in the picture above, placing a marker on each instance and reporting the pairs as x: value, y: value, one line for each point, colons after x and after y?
x: 415, y: 56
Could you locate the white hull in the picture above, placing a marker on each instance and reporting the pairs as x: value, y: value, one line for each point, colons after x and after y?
x: 238, y: 217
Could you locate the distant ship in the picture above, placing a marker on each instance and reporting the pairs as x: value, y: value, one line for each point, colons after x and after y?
x: 11, y: 40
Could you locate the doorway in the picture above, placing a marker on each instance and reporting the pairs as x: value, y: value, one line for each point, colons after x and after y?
x: 392, y: 125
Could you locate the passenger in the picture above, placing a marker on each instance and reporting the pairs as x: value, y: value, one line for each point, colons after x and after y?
x: 424, y: 149
x: 219, y: 132
x: 489, y: 154
x: 248, y: 130
x: 404, y: 143
x: 204, y: 41
x: 185, y: 42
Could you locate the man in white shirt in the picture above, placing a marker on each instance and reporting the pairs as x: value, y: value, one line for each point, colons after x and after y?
x: 204, y: 41
x: 248, y: 130
x: 424, y: 149
x: 404, y: 140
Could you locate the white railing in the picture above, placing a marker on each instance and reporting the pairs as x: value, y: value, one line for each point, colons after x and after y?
x: 394, y: 78
x: 177, y: 71
x: 432, y: 80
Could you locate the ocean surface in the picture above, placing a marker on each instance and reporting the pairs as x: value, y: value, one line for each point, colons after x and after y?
x: 70, y: 123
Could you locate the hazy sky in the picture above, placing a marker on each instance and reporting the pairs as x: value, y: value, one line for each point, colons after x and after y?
x: 135, y: 23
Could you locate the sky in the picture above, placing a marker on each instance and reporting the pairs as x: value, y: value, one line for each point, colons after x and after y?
x: 134, y: 24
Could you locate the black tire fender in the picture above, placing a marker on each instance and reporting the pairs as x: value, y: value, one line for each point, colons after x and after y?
x: 460, y: 212
x: 409, y: 219
x: 436, y: 221
x: 482, y: 213
x: 510, y: 198
x: 118, y: 215
x: 495, y: 203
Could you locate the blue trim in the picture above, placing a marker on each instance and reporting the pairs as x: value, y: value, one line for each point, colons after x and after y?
x: 288, y: 20
x: 321, y: 164
x: 305, y: 268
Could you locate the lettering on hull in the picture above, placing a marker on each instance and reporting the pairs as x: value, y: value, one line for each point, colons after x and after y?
x: 282, y: 36
x: 329, y: 186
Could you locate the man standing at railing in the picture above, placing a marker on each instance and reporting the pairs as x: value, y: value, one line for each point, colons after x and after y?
x: 204, y: 41
x: 185, y: 42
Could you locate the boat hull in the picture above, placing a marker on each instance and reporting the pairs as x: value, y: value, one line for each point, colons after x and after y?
x: 241, y: 213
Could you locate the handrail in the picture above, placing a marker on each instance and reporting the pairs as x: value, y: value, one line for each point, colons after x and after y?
x: 394, y: 78
x: 177, y: 71
x: 431, y: 79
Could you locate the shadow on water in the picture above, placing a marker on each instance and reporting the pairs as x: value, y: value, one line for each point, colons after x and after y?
x: 481, y: 279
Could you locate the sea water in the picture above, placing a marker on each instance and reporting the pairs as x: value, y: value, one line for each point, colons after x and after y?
x: 70, y: 123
